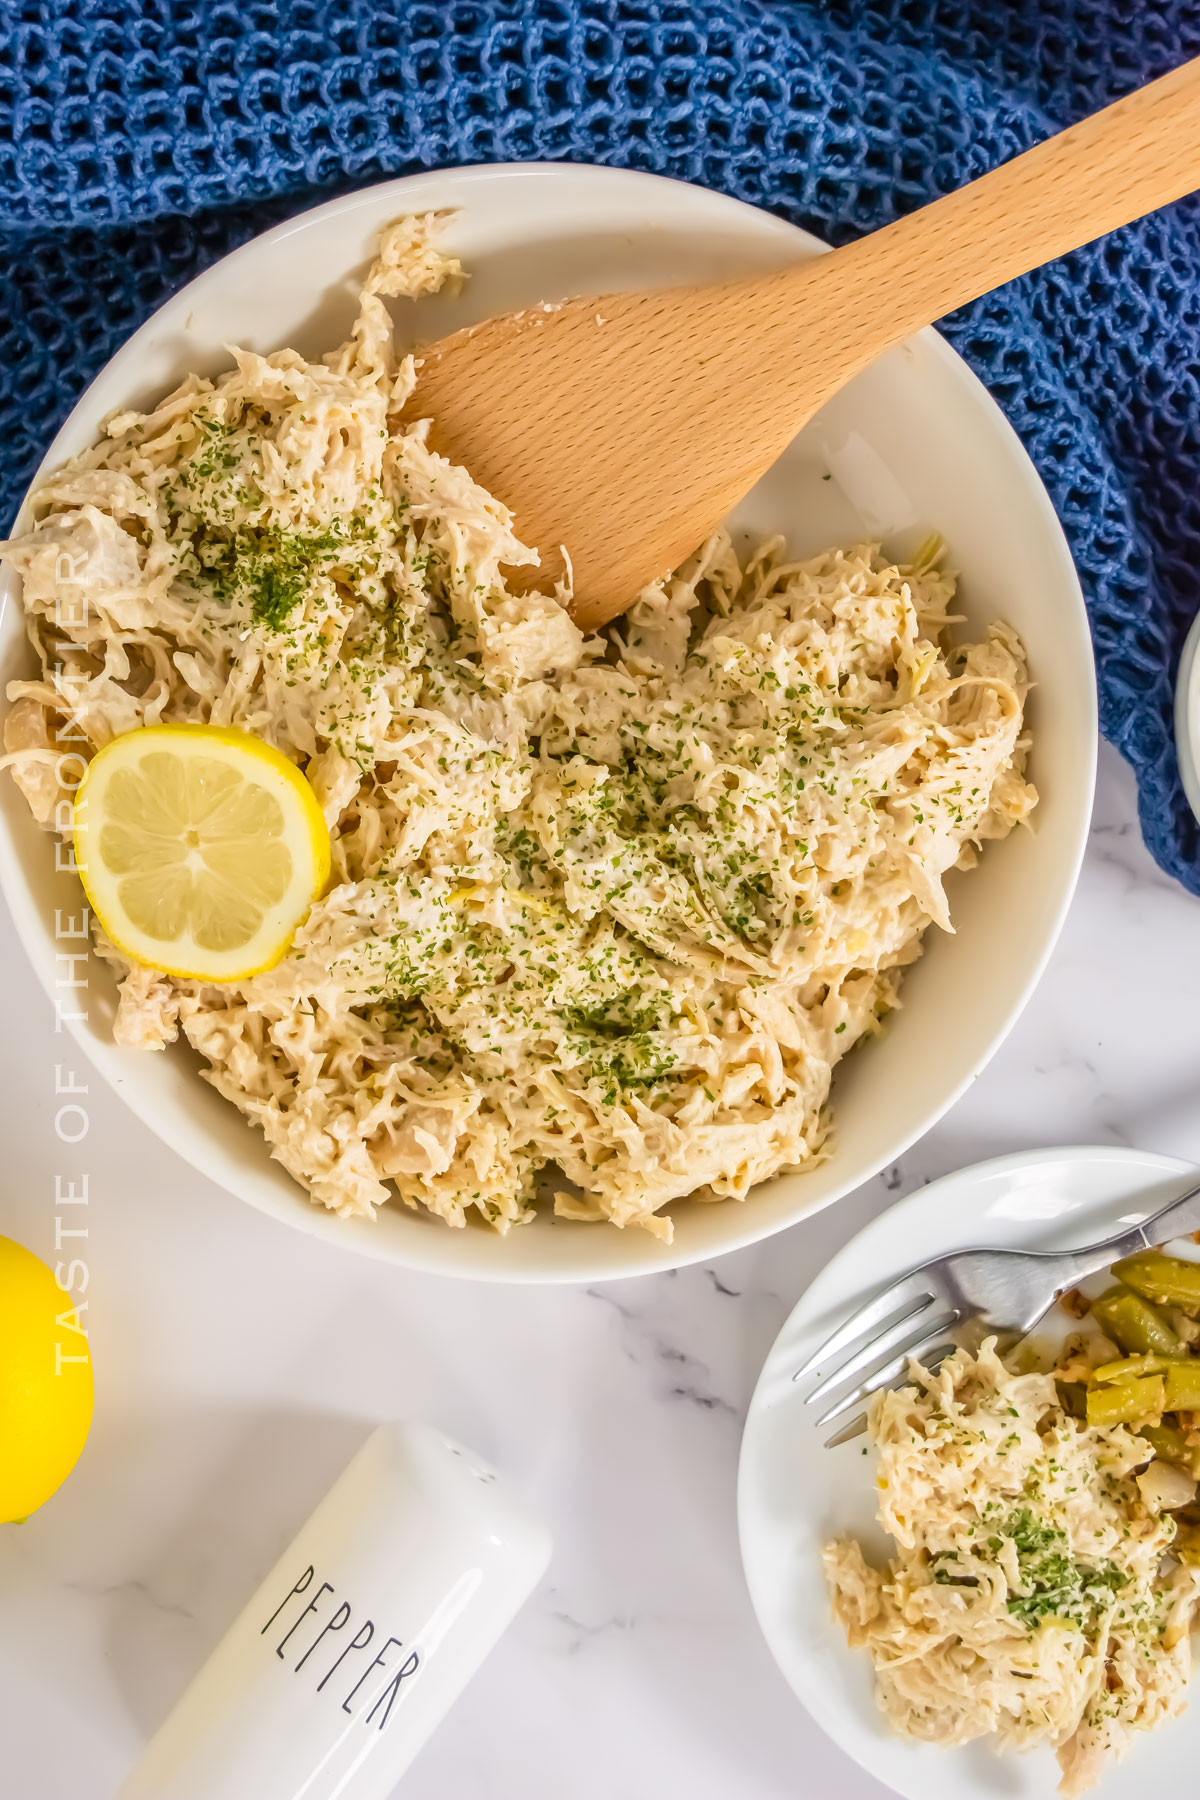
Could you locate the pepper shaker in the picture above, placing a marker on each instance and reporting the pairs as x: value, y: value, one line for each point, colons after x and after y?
x: 360, y: 1638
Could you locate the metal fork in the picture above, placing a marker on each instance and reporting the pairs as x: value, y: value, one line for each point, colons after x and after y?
x: 1003, y: 1290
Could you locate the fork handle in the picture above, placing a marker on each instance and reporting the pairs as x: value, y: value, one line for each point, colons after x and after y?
x: 1179, y: 1219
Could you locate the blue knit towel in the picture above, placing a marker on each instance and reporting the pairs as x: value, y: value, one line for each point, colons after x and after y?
x: 141, y: 139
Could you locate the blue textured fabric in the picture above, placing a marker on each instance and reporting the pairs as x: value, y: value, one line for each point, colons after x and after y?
x: 140, y: 139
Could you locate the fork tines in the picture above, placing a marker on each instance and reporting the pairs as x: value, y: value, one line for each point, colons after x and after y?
x: 908, y: 1320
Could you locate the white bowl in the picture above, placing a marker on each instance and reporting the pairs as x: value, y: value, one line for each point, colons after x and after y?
x: 1187, y: 716
x: 913, y: 445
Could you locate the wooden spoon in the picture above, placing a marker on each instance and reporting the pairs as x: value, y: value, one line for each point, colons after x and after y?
x: 627, y: 427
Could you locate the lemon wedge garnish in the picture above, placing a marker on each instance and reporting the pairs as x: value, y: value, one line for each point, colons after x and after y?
x: 200, y: 848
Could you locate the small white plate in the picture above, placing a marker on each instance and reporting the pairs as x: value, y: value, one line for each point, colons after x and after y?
x: 793, y: 1495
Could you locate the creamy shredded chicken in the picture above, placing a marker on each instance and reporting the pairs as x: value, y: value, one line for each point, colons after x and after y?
x: 606, y: 910
x: 1031, y: 1597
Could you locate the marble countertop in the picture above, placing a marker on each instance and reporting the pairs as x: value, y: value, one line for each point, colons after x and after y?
x: 239, y: 1365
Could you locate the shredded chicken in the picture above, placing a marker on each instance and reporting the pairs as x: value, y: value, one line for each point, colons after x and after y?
x: 1029, y: 1599
x: 606, y: 911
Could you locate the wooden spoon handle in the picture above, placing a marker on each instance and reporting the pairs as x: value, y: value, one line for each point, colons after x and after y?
x: 628, y: 426
x: 1138, y: 154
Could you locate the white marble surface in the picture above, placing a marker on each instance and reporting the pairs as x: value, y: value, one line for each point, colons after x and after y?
x: 239, y: 1365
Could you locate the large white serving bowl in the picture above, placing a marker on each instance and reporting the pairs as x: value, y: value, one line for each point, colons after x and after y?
x: 915, y: 444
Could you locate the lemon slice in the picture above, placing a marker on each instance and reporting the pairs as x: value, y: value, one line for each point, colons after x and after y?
x: 200, y: 849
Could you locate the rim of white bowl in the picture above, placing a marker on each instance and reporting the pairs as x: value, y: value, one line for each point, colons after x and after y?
x: 648, y: 1256
x: 1187, y: 716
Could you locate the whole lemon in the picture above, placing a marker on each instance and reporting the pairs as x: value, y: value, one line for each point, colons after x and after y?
x: 45, y: 1383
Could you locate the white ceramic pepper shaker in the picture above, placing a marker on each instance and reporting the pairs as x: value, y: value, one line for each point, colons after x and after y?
x: 360, y: 1638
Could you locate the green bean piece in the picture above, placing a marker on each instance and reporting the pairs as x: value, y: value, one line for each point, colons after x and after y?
x: 1136, y: 1402
x: 1127, y: 1367
x: 1169, y: 1445
x: 1167, y: 1280
x: 1183, y: 1386
x: 1134, y: 1325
